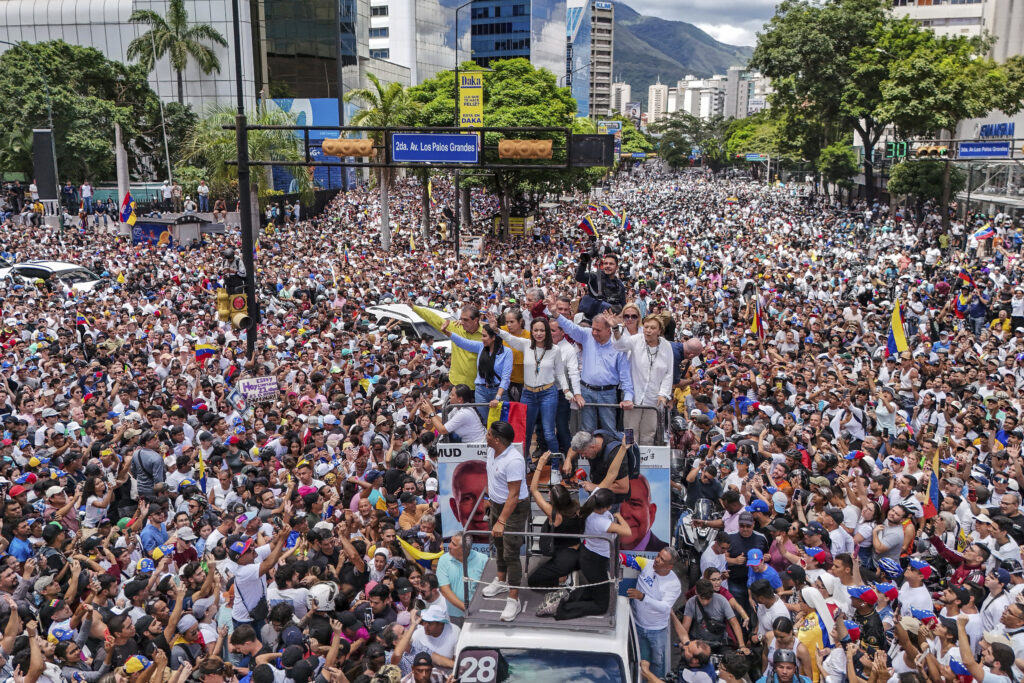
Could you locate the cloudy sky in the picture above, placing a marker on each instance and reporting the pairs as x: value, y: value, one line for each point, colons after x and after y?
x: 731, y: 21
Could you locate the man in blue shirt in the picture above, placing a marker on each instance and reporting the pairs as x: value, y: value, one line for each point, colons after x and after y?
x: 450, y: 576
x: 155, y: 531
x: 603, y: 370
x: 20, y: 546
x: 759, y: 569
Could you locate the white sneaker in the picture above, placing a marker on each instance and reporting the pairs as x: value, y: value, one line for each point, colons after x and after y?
x: 496, y: 587
x: 512, y: 610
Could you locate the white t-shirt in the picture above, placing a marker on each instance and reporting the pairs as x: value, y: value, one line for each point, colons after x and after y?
x: 842, y: 542
x: 660, y: 594
x: 296, y: 596
x: 767, y: 616
x: 443, y: 645
x: 598, y: 523
x: 249, y: 586
x: 503, y: 468
x: 914, y: 598
x: 465, y: 423
x: 709, y: 558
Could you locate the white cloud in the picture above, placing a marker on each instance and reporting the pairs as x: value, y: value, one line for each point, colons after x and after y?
x: 730, y: 34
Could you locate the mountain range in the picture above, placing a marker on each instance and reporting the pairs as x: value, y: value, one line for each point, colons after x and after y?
x: 647, y: 48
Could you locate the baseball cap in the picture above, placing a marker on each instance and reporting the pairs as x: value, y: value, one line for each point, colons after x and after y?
x: 758, y: 505
x: 888, y: 589
x: 42, y: 582
x: 136, y: 663
x: 924, y: 615
x: 16, y: 490
x: 241, y: 546
x: 852, y: 628
x: 422, y: 659
x: 779, y: 501
x: 1002, y: 576
x: 745, y: 518
x: 434, y: 613
x: 921, y: 566
x: 186, y: 534
x: 145, y: 565
x: 817, y: 552
x: 754, y: 557
x: 431, y: 484
x: 53, y: 491
x: 813, y: 528
x: 865, y: 593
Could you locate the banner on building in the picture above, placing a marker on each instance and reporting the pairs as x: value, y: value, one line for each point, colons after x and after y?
x: 471, y: 100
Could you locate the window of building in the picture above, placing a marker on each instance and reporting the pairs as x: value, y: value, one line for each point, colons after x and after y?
x: 480, y: 12
x: 380, y: 54
x: 380, y: 11
x: 380, y: 32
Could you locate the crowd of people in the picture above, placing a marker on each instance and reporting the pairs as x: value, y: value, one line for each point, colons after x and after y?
x: 865, y: 503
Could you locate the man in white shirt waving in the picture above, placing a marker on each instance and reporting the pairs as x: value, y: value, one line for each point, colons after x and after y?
x: 657, y: 589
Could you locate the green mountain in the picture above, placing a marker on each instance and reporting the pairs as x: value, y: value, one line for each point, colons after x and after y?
x: 649, y: 47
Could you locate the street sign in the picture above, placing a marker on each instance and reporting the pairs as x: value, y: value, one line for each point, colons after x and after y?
x: 639, y: 155
x: 609, y: 126
x: 981, y: 150
x: 756, y: 157
x: 440, y: 148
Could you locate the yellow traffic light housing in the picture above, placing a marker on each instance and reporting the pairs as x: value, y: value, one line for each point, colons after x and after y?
x: 932, y: 151
x: 223, y: 310
x: 238, y: 308
x: 345, y: 147
x: 525, y: 149
x: 924, y: 151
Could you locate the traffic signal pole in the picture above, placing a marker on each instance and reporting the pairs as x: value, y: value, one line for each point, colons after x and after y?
x: 245, y: 194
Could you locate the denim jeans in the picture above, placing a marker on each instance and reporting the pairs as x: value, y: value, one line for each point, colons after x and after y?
x: 484, y: 394
x: 592, y: 418
x: 542, y: 405
x: 653, y: 645
x: 87, y: 204
x: 562, y: 424
x: 204, y: 203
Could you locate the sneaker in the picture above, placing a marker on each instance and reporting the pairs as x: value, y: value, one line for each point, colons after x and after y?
x: 551, y: 602
x: 512, y: 610
x: 496, y: 587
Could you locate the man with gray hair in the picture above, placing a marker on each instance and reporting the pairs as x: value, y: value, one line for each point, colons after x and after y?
x: 599, y: 449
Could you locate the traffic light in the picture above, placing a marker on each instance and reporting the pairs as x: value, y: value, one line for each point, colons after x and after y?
x: 524, y: 149
x: 345, y: 147
x: 223, y: 310
x: 238, y: 311
x: 932, y: 151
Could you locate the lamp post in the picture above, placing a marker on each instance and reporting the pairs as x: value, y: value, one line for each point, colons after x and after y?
x: 49, y: 113
x: 457, y: 228
x: 244, y: 192
x: 563, y: 80
x: 344, y: 19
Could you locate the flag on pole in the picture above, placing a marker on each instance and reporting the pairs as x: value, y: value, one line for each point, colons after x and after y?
x: 627, y: 222
x: 512, y: 412
x: 430, y: 193
x: 966, y: 277
x: 128, y: 209
x: 80, y: 321
x: 607, y: 210
x: 593, y: 207
x: 757, y: 324
x: 897, y: 334
x: 202, y: 471
x: 931, y: 508
x: 986, y: 232
x: 204, y: 351
x: 587, y: 226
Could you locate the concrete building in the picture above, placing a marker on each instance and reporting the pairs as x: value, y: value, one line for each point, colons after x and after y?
x: 701, y: 97
x: 602, y: 48
x: 534, y: 29
x: 657, y: 101
x: 1004, y: 19
x: 622, y: 95
x: 417, y: 34
x: 590, y: 30
x: 746, y: 92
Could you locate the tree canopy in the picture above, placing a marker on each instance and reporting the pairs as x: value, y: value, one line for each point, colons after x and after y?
x: 90, y: 93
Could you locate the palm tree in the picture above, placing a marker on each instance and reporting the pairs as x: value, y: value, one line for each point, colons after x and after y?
x: 383, y: 107
x: 209, y: 145
x: 174, y: 37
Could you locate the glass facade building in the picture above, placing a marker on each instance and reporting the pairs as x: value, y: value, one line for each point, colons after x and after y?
x: 577, y: 53
x: 534, y: 29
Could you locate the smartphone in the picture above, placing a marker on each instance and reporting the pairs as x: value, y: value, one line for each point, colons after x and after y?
x: 972, y: 495
x: 627, y: 436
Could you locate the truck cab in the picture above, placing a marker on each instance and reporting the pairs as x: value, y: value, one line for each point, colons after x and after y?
x: 531, y: 649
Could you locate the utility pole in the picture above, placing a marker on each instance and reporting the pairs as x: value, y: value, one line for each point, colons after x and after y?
x: 244, y: 193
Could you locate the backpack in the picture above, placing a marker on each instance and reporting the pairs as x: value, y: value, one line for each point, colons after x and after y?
x: 612, y: 443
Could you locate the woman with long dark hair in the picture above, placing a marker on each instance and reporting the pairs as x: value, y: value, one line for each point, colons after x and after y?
x: 563, y: 513
x: 493, y: 365
x: 543, y: 368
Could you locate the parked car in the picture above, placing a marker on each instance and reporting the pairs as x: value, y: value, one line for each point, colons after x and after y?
x: 80, y: 279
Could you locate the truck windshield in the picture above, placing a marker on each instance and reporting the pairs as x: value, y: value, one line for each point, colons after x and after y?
x: 539, y: 666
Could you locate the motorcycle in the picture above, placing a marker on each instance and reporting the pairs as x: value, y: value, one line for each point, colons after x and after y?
x: 691, y: 540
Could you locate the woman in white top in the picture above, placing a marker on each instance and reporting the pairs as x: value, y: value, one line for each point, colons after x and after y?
x: 542, y: 369
x: 650, y: 360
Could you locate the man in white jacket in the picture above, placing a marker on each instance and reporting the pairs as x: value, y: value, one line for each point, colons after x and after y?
x: 657, y: 589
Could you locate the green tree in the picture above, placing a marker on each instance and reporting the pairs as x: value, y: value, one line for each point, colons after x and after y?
x: 89, y: 93
x: 210, y: 146
x: 837, y: 164
x: 175, y: 38
x: 682, y: 132
x: 383, y: 106
x: 824, y: 68
x: 757, y: 134
x: 924, y: 181
x: 16, y: 151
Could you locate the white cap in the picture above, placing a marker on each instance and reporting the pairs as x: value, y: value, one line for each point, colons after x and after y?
x: 430, y: 484
x: 53, y: 491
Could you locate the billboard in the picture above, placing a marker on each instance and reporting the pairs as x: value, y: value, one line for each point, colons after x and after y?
x: 462, y: 477
x: 471, y: 100
x: 633, y: 111
x: 318, y: 111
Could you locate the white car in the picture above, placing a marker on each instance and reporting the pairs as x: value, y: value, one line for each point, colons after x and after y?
x: 412, y: 324
x: 80, y: 279
x: 5, y: 268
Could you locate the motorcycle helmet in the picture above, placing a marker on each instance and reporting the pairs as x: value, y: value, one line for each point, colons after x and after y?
x: 781, y: 656
x: 321, y: 597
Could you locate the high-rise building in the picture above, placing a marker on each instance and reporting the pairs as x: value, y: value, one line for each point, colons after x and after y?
x: 1004, y: 19
x: 622, y: 95
x: 418, y: 34
x: 701, y: 97
x: 746, y: 92
x: 590, y: 35
x: 533, y: 29
x: 657, y: 101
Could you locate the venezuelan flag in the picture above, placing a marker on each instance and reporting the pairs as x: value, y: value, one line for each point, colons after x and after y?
x: 202, y: 471
x: 985, y: 233
x: 204, y: 351
x: 897, y: 335
x: 631, y: 562
x: 931, y: 508
x: 587, y: 226
x: 430, y: 193
x: 593, y: 207
x: 960, y: 306
x: 607, y: 210
x: 627, y: 222
x: 424, y: 559
x: 128, y: 209
x: 966, y: 277
x: 80, y: 321
x: 757, y: 324
x: 512, y: 412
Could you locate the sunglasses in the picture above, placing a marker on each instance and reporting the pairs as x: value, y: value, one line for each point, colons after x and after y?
x: 630, y: 317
